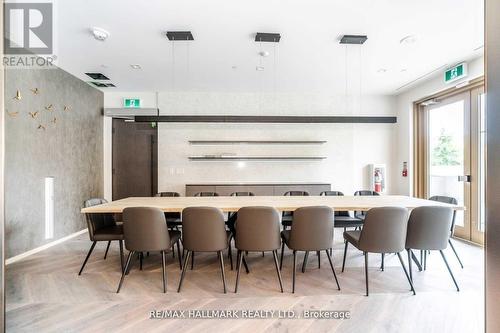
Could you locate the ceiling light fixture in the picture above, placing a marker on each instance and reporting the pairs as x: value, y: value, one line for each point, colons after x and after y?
x: 259, y: 68
x: 382, y: 70
x: 264, y: 54
x: 100, y: 34
x: 353, y: 39
x: 136, y: 66
x: 411, y: 39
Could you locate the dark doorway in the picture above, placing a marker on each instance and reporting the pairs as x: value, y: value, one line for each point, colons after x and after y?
x: 135, y: 163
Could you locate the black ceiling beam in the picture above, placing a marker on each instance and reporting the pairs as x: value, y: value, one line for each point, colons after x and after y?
x: 267, y: 37
x: 269, y: 119
x: 353, y: 39
x: 179, y: 35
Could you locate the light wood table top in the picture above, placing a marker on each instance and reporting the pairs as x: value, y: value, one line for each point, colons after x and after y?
x: 282, y: 203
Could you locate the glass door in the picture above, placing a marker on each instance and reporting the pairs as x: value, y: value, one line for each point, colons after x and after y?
x: 455, y: 155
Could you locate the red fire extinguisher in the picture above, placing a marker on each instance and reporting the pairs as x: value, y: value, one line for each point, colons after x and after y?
x: 405, y: 169
x: 378, y: 181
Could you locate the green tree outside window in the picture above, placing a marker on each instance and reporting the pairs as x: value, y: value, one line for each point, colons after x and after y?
x: 445, y: 153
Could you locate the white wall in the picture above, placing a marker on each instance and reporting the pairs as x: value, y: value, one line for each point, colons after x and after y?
x: 404, y: 129
x: 349, y: 150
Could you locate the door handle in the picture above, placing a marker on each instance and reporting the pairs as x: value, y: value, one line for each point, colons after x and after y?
x: 465, y: 178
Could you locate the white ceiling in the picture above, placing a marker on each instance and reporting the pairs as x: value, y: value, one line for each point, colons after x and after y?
x: 223, y: 56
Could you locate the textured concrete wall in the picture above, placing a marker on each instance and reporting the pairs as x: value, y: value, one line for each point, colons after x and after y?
x: 69, y: 149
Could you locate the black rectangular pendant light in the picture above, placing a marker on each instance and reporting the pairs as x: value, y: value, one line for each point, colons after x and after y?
x: 353, y: 39
x: 179, y: 35
x: 267, y: 37
x: 97, y: 76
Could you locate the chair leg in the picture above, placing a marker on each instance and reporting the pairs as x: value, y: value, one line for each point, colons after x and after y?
x: 107, y: 248
x: 415, y: 260
x: 173, y: 251
x: 246, y: 265
x: 87, y: 257
x: 179, y: 254
x: 333, y: 269
x: 406, y: 273
x: 293, y: 273
x: 366, y: 272
x: 422, y: 257
x: 164, y: 273
x: 382, y: 262
x: 425, y: 260
x: 126, y: 269
x: 304, y: 264
x: 122, y: 264
x: 275, y: 255
x: 263, y: 254
x: 318, y: 253
x: 410, y: 264
x: 230, y: 255
x: 141, y: 257
x: 192, y: 260
x: 449, y: 270
x: 239, y: 259
x: 456, y: 254
x: 221, y: 259
x: 281, y: 257
x: 345, y: 254
x: 184, y: 267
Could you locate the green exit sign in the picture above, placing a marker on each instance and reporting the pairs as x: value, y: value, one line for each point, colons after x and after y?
x: 132, y: 102
x: 455, y: 73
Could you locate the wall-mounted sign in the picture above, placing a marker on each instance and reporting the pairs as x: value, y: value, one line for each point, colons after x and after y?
x: 455, y: 73
x: 131, y: 103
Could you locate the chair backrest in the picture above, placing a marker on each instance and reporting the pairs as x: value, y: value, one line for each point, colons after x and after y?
x: 258, y: 229
x: 203, y: 229
x: 384, y: 230
x: 145, y: 229
x: 429, y: 228
x: 448, y: 200
x: 242, y: 194
x: 168, y: 194
x: 206, y: 194
x: 96, y: 221
x: 312, y: 229
x: 366, y: 192
x: 335, y: 194
x: 297, y: 193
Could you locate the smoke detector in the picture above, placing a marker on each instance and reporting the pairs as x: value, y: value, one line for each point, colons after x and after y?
x: 100, y: 34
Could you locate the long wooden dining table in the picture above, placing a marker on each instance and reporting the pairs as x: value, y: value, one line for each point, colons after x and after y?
x: 282, y: 203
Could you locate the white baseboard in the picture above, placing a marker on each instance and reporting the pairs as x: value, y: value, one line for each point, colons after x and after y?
x: 43, y: 247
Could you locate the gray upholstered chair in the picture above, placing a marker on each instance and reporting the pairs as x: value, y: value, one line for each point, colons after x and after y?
x: 452, y: 201
x: 312, y: 230
x: 384, y: 231
x: 203, y: 230
x: 257, y: 230
x: 145, y: 229
x: 287, y: 217
x: 206, y: 194
x: 429, y: 230
x: 102, y: 227
x: 343, y: 219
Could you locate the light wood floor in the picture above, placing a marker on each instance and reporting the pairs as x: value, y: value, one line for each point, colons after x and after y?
x: 45, y: 294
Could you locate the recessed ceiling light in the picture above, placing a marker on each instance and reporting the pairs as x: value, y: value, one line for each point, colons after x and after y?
x: 234, y: 67
x: 99, y: 33
x: 136, y: 66
x: 411, y: 39
x: 259, y: 68
x: 382, y: 70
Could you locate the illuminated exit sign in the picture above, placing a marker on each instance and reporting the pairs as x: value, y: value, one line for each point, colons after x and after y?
x: 131, y: 103
x: 455, y: 73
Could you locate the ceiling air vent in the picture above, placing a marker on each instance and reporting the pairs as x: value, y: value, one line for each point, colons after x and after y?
x: 353, y: 39
x: 267, y: 37
x: 97, y: 76
x: 179, y: 35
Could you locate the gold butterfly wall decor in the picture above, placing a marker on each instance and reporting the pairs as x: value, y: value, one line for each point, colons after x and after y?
x: 67, y: 108
x: 12, y: 114
x: 35, y: 91
x: 54, y: 120
x: 41, y: 127
x: 33, y: 114
x: 18, y: 95
x: 49, y: 108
